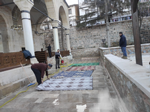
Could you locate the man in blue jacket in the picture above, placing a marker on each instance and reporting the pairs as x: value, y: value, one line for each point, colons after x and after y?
x: 57, y: 57
x: 123, y: 44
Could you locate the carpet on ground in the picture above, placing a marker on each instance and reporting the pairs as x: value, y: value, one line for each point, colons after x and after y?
x: 73, y: 74
x: 84, y: 64
x: 84, y: 83
x: 83, y: 68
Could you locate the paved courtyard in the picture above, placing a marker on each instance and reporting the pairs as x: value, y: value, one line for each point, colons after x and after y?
x: 145, y: 59
x: 103, y: 97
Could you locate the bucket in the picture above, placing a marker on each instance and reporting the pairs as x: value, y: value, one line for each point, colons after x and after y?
x: 62, y: 61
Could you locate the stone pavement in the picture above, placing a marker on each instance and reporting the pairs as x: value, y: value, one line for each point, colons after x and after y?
x: 102, y: 98
x: 145, y: 59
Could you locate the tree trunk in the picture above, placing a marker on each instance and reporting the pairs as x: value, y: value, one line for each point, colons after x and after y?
x: 136, y: 34
x: 107, y: 23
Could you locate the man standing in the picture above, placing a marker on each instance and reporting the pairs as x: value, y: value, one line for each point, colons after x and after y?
x: 39, y: 70
x: 57, y: 57
x: 49, y: 50
x: 123, y: 44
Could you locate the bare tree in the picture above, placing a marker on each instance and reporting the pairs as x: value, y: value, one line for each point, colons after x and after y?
x: 143, y: 11
x: 105, y: 10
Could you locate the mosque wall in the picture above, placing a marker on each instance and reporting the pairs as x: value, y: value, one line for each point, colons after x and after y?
x: 15, y: 38
x: 49, y: 39
x: 92, y: 37
x: 1, y: 44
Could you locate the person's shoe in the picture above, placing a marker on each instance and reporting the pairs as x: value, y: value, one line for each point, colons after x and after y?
x: 124, y: 57
x: 59, y: 67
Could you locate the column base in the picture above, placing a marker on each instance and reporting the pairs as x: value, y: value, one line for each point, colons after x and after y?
x: 70, y: 57
x: 33, y: 60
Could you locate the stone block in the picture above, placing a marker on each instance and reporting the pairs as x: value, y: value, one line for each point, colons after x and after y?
x: 1, y: 94
x: 133, y: 90
x: 15, y: 86
x: 6, y: 90
x: 24, y: 82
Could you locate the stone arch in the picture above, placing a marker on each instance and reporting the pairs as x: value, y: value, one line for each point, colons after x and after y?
x: 4, y: 44
x: 51, y: 8
x: 5, y: 14
x: 16, y: 15
x: 64, y: 17
x: 56, y: 8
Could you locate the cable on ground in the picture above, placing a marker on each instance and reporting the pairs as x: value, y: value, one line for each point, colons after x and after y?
x: 62, y: 66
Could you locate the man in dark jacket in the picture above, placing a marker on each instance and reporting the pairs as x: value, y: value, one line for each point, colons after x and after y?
x: 49, y: 50
x: 57, y: 57
x: 123, y: 44
x: 39, y: 70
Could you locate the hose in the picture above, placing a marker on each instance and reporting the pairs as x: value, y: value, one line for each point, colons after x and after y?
x: 62, y: 66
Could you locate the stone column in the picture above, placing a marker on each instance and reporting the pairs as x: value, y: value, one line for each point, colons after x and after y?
x: 25, y: 7
x: 55, y: 34
x: 1, y: 43
x: 68, y: 40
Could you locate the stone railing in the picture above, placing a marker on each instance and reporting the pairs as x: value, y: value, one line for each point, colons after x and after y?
x: 145, y: 48
x: 42, y: 55
x: 131, y: 81
x: 12, y: 60
x: 89, y: 52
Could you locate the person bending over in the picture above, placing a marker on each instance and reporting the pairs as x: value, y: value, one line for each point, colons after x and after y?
x: 39, y: 69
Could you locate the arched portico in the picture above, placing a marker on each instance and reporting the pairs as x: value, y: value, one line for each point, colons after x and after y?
x: 56, y: 9
x: 65, y: 22
x: 64, y: 17
x: 4, y: 45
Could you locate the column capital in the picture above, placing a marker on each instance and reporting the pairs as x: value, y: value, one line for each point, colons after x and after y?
x: 54, y: 23
x: 67, y: 31
x: 24, y: 5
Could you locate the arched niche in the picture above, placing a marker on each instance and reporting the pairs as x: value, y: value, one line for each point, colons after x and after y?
x: 4, y: 46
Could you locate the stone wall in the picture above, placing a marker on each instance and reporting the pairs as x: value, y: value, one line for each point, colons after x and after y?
x: 50, y: 40
x: 131, y: 81
x: 92, y: 36
x: 145, y: 48
x: 15, y: 38
x: 14, y: 79
x: 91, y: 52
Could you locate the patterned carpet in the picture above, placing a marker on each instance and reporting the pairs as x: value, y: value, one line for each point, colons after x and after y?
x: 84, y: 83
x: 84, y: 68
x: 78, y: 77
x: 73, y: 74
x: 84, y: 64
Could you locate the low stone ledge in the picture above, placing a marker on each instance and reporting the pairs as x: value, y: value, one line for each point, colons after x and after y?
x: 5, y: 90
x: 132, y: 82
x: 14, y: 79
x: 89, y: 52
x: 145, y: 48
x: 11, y: 76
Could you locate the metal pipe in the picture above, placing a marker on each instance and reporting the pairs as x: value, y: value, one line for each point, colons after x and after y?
x: 37, y: 10
x: 48, y: 16
x: 42, y: 13
x: 7, y: 4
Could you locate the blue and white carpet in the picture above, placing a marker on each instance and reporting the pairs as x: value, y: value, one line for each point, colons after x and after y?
x: 84, y: 83
x: 73, y: 74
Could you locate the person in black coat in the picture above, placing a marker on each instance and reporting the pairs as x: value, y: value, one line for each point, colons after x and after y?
x: 49, y: 50
x: 123, y: 44
x: 57, y: 58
